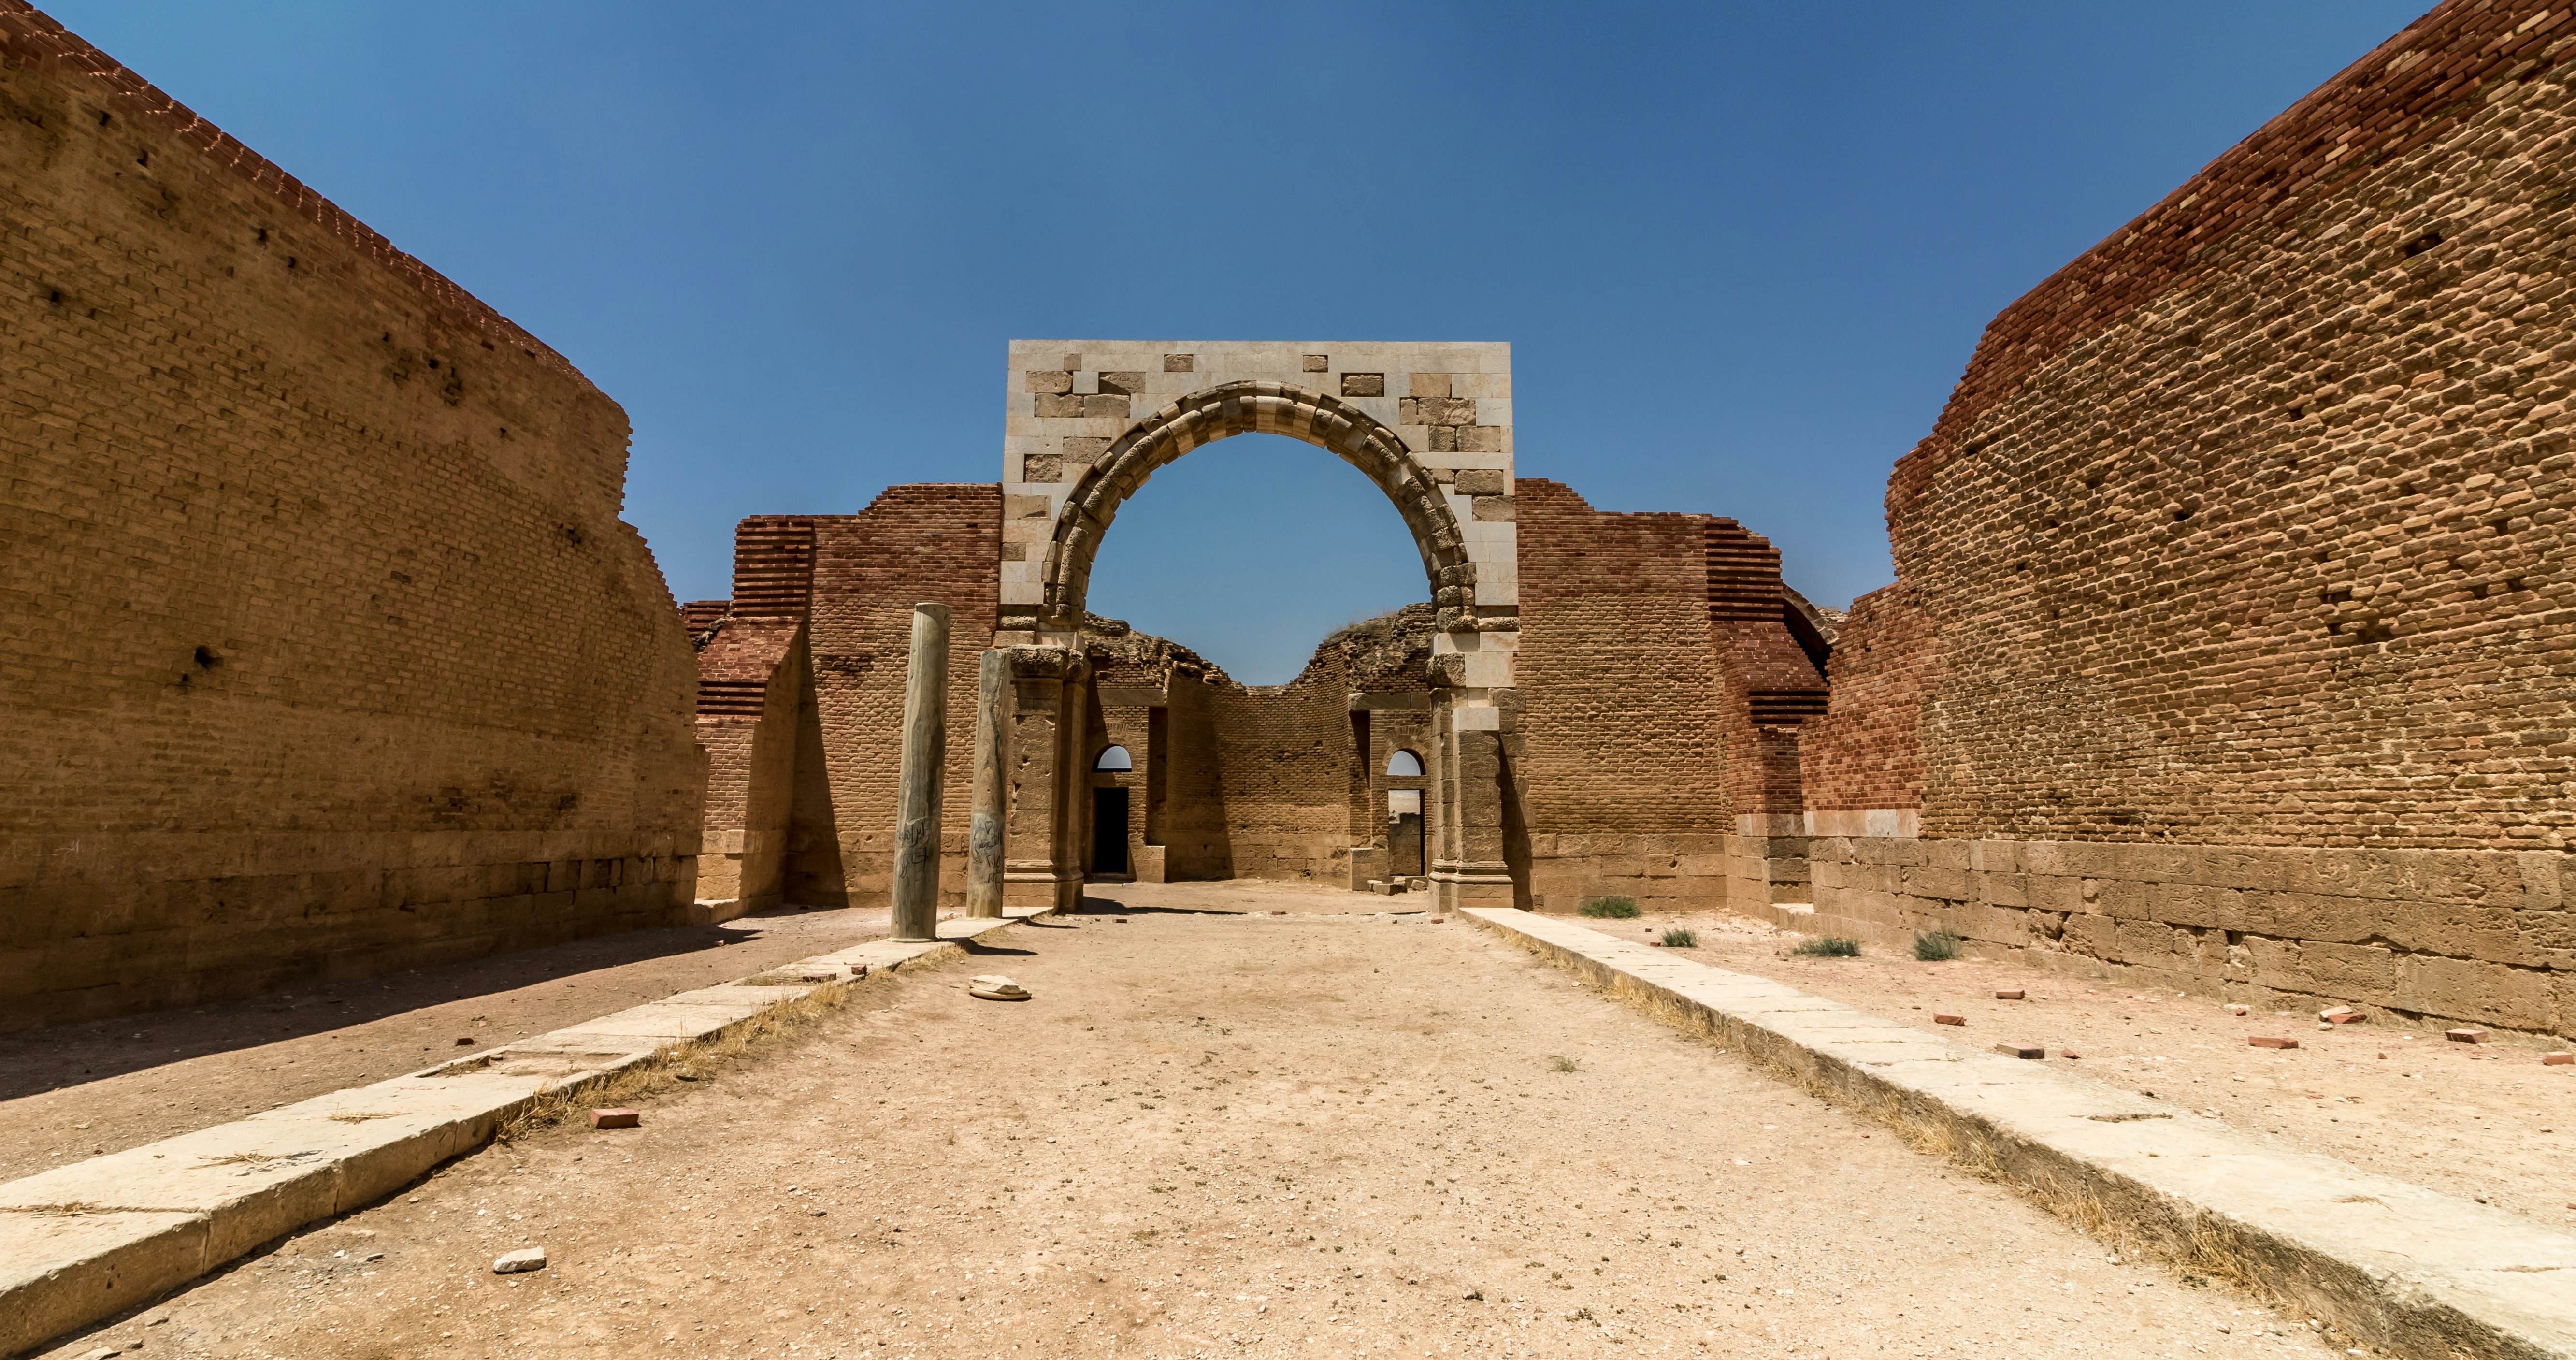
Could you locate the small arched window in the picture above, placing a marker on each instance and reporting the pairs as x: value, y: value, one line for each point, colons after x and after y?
x: 1404, y: 765
x: 1115, y: 758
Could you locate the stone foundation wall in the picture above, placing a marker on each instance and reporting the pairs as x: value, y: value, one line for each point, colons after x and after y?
x: 2422, y: 934
x: 325, y: 649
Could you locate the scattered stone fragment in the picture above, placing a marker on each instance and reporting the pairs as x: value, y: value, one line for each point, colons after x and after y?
x: 2560, y: 1058
x: 1940, y: 1019
x: 995, y: 987
x: 2068, y: 1053
x: 2008, y: 993
x: 2021, y: 1050
x: 516, y: 1262
x: 2340, y: 1015
x: 2466, y: 1034
x: 616, y: 1119
x: 2271, y: 1041
x: 464, y: 1041
x: 2236, y: 1010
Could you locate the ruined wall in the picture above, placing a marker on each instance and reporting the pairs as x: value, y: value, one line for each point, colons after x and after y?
x: 755, y: 690
x: 325, y: 649
x: 1622, y: 724
x: 1284, y: 758
x: 931, y: 542
x: 752, y: 687
x: 1862, y: 760
x: 2251, y: 520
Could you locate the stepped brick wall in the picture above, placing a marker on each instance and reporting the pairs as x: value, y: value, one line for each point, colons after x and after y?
x: 1864, y: 753
x: 326, y: 651
x: 2241, y: 544
x: 935, y: 542
x: 1625, y: 742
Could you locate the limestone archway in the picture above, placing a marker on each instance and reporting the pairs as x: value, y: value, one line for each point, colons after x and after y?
x: 1248, y: 407
x: 1428, y: 424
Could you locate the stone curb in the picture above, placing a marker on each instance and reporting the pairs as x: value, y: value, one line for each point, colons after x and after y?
x: 87, y: 1241
x: 2406, y: 1269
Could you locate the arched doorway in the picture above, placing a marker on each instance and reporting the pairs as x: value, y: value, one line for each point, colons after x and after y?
x: 1428, y: 425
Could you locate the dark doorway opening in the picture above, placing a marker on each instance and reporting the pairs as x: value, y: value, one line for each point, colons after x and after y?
x: 1109, y: 831
x: 1404, y: 832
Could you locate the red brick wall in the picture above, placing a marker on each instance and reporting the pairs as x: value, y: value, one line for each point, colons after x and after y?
x: 1866, y: 752
x: 2250, y: 516
x: 1623, y: 718
x: 2233, y: 573
x: 325, y: 648
x: 1284, y: 760
x: 933, y: 542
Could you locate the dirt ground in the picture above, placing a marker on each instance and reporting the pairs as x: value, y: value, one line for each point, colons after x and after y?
x: 76, y: 1091
x: 2484, y: 1121
x: 1213, y: 1132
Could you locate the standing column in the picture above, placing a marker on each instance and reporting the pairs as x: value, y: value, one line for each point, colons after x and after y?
x: 925, y: 752
x: 984, y: 829
x: 1035, y: 874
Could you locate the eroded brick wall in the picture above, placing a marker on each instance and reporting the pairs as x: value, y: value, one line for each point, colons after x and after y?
x: 1865, y: 754
x: 1623, y: 725
x: 2250, y: 520
x: 931, y: 542
x: 324, y: 648
x: 1284, y: 759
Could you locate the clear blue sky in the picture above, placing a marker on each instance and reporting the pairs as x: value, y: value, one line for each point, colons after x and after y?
x: 1741, y: 251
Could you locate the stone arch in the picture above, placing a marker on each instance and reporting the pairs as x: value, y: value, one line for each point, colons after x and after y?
x: 1249, y: 407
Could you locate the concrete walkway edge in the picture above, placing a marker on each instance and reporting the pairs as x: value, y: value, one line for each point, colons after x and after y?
x: 2406, y: 1269
x: 87, y: 1241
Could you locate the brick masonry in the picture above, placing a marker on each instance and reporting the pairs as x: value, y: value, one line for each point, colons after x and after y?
x: 2231, y: 639
x: 1653, y: 743
x: 802, y: 686
x: 325, y: 649
x: 1660, y: 697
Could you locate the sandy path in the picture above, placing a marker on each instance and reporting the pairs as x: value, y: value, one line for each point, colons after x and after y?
x: 1215, y: 1134
x: 2482, y: 1121
x: 75, y: 1091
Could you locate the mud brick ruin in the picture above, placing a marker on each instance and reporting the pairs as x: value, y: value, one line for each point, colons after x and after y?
x: 2233, y: 645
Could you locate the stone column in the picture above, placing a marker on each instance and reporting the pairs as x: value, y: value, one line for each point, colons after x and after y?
x: 1467, y: 731
x: 925, y: 755
x: 984, y: 839
x: 1045, y: 723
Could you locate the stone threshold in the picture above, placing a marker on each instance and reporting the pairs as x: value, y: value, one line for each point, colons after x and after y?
x: 2401, y: 1267
x: 87, y: 1241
